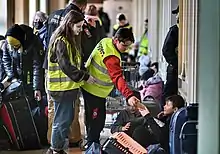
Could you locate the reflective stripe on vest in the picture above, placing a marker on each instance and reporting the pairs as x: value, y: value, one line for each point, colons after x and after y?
x: 96, y: 67
x: 62, y: 79
x: 100, y: 68
x: 104, y: 71
x: 57, y: 79
x: 117, y: 26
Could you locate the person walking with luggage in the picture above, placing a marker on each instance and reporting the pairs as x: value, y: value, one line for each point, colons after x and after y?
x: 104, y: 64
x: 65, y: 77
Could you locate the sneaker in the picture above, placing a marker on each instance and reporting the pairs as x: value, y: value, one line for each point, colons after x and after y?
x: 59, y: 152
x: 85, y: 146
x: 49, y: 151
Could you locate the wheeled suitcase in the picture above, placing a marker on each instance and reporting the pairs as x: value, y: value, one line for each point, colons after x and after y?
x: 5, y: 138
x: 17, y: 117
x: 176, y: 123
x: 188, y: 137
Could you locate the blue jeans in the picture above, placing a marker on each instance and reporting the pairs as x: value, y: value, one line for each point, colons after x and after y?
x: 63, y: 117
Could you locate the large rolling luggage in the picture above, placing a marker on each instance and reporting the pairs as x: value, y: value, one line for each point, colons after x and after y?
x: 188, y: 137
x: 181, y: 128
x: 176, y: 123
x: 18, y: 120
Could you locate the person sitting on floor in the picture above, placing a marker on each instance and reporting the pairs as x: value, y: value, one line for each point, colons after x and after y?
x: 173, y: 104
x: 144, y: 128
x: 153, y: 87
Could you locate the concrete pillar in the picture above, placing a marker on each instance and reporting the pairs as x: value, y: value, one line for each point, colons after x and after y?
x: 209, y: 76
x: 10, y: 12
x: 44, y: 6
x: 140, y: 13
x: 153, y: 30
x: 145, y: 10
x: 22, y: 12
x: 33, y: 8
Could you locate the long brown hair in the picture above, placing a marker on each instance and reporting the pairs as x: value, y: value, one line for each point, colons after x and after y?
x: 65, y: 29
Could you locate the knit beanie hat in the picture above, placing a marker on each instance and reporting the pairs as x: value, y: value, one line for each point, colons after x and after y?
x: 16, y: 32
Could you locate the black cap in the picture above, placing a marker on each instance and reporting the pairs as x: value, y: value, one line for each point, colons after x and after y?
x: 146, y: 20
x: 121, y: 17
x: 16, y: 32
x: 176, y: 10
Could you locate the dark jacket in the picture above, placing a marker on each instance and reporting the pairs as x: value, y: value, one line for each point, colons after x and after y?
x: 2, y: 71
x: 90, y: 37
x: 60, y: 56
x: 139, y: 125
x: 105, y: 21
x: 161, y: 132
x: 122, y: 119
x: 25, y: 66
x: 170, y: 46
x: 42, y: 34
x: 53, y: 22
x: 115, y: 30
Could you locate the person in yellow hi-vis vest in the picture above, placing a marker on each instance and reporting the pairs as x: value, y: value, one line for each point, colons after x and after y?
x: 143, y: 45
x: 65, y: 77
x: 104, y: 64
x: 121, y: 23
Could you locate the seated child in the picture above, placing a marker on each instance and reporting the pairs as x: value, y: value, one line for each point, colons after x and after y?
x: 173, y: 103
x: 145, y: 129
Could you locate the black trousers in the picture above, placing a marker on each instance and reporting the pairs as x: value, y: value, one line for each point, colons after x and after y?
x: 95, y: 114
x: 171, y: 86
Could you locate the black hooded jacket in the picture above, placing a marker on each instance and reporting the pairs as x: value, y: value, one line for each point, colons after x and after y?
x: 25, y: 66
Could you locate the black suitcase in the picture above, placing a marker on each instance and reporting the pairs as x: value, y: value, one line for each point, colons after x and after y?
x: 21, y: 124
x: 188, y: 137
x: 5, y: 138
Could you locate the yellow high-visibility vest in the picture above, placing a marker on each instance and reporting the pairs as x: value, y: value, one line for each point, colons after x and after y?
x: 143, y: 46
x: 96, y: 67
x: 116, y: 26
x: 57, y: 79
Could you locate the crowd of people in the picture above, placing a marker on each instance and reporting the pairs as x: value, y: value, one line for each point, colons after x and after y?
x: 67, y: 54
